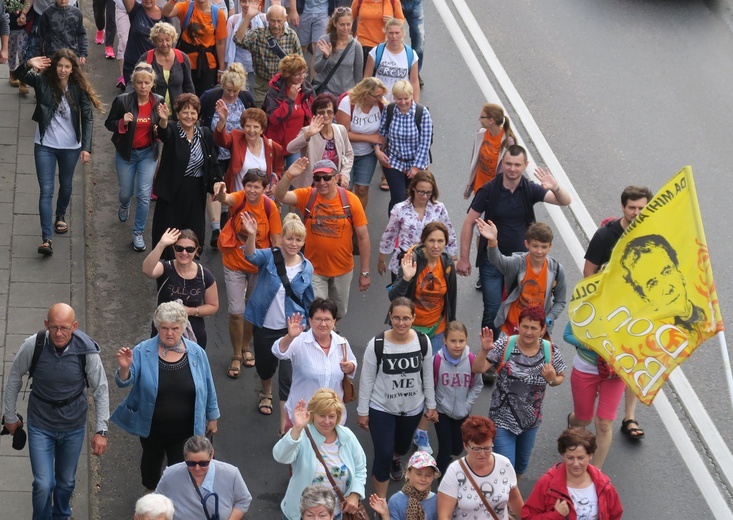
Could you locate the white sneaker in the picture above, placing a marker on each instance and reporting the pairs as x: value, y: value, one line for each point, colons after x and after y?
x: 138, y: 243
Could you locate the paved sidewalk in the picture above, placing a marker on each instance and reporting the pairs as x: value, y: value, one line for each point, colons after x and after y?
x: 30, y: 283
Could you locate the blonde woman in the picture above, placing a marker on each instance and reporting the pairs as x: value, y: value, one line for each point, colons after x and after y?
x: 393, y: 61
x: 172, y: 67
x: 132, y: 120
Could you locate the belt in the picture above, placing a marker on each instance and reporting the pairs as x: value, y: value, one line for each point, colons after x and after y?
x: 62, y: 402
x: 142, y: 147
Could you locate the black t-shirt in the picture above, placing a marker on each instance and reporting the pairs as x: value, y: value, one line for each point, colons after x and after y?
x: 509, y: 215
x: 175, y: 404
x: 138, y: 39
x: 603, y: 242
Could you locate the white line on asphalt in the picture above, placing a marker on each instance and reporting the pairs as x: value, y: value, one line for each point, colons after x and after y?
x: 712, y: 438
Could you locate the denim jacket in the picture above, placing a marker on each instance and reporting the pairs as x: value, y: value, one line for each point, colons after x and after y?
x: 268, y: 283
x: 135, y: 412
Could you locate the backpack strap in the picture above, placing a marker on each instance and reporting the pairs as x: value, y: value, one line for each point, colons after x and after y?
x: 149, y: 56
x: 410, y: 58
x: 345, y: 204
x: 390, y: 115
x: 379, y: 348
x: 279, y: 260
x: 507, y: 353
x: 268, y: 206
x: 471, y: 359
x: 378, y: 56
x: 547, y: 350
x: 177, y: 52
x: 309, y: 206
x: 437, y: 360
x: 189, y: 13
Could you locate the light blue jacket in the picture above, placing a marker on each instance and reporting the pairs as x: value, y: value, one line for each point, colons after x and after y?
x: 299, y: 454
x: 268, y: 283
x: 135, y: 412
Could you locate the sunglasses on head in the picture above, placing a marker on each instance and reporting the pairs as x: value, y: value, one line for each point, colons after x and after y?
x: 188, y: 249
x: 319, y: 178
x: 256, y: 171
x: 341, y: 10
x: 194, y: 463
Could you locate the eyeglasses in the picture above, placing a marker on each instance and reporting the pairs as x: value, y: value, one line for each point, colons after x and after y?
x: 301, y: 74
x: 194, y: 463
x: 319, y: 178
x: 56, y: 328
x: 323, y: 321
x: 324, y: 112
x: 341, y: 10
x: 376, y: 96
x: 485, y: 117
x: 256, y: 171
x: 424, y: 193
x: 402, y: 319
x: 479, y: 449
x: 430, y: 279
x: 188, y: 249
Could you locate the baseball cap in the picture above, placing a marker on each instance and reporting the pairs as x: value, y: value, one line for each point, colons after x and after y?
x: 422, y: 459
x: 324, y: 166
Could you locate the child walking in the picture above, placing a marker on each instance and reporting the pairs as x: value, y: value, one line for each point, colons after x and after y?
x: 415, y: 500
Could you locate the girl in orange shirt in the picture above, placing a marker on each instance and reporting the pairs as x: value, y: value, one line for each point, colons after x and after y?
x: 370, y: 16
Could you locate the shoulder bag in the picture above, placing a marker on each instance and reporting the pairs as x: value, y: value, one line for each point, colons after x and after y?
x: 347, y: 384
x: 467, y: 472
x: 361, y: 514
x: 321, y: 87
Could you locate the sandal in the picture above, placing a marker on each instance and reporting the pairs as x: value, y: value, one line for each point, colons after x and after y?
x: 233, y: 371
x: 632, y: 432
x: 46, y: 249
x: 263, y: 407
x: 383, y: 184
x: 60, y: 226
x: 249, y: 359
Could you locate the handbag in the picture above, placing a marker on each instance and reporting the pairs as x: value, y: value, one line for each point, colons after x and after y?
x: 347, y: 384
x: 228, y: 234
x: 361, y: 514
x: 467, y: 472
x: 321, y: 87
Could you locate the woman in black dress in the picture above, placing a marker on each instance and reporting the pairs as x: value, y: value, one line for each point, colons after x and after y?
x: 188, y: 170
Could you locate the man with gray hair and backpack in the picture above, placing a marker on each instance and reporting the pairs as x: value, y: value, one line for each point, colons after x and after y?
x: 63, y: 363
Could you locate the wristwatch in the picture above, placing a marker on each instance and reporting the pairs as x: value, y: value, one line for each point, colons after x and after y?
x: 365, y: 274
x: 103, y: 433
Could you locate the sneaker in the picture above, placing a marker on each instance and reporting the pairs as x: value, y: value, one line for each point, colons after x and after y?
x: 422, y: 441
x: 396, y: 471
x: 23, y: 89
x: 123, y: 213
x: 109, y: 53
x: 138, y: 244
x: 121, y: 83
x: 99, y: 38
x: 478, y: 284
x: 46, y: 249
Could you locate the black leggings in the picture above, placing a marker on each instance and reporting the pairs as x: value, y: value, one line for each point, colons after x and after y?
x: 450, y: 440
x: 104, y: 18
x: 155, y: 449
x: 391, y: 435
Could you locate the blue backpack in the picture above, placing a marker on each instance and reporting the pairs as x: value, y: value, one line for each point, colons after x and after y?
x: 214, y: 15
x: 380, y: 53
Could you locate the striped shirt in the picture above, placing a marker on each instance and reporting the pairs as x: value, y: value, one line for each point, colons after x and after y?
x: 195, y: 166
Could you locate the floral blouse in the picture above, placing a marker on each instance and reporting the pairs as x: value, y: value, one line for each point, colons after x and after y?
x: 405, y: 227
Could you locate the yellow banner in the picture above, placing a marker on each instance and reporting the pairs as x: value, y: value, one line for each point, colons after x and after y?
x: 655, y: 302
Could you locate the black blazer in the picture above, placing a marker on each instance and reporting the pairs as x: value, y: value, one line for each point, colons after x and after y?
x: 122, y: 104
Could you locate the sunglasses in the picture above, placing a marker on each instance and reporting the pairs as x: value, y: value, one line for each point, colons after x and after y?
x: 341, y: 10
x: 188, y: 249
x: 324, y: 112
x: 194, y: 463
x: 256, y: 171
x: 319, y: 178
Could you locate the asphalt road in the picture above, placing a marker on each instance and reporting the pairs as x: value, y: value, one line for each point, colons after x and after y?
x: 625, y: 92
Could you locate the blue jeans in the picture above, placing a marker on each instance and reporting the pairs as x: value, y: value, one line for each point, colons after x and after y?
x: 412, y: 9
x: 492, y: 287
x: 54, y: 457
x: 46, y: 159
x: 398, y: 184
x: 437, y: 342
x: 517, y: 448
x: 141, y: 165
x: 290, y: 159
x: 363, y: 170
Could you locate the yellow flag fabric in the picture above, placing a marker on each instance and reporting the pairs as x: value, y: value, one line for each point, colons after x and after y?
x: 655, y: 302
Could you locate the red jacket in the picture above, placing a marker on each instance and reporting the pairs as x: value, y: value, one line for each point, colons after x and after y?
x: 553, y: 486
x: 236, y: 143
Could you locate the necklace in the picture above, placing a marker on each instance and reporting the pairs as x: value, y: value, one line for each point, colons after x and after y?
x: 176, y: 348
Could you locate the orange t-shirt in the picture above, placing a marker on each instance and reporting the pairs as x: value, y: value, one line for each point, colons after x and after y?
x: 429, y: 299
x: 328, y: 233
x: 200, y: 31
x: 370, y: 29
x: 488, y: 159
x: 532, y: 293
x: 234, y: 258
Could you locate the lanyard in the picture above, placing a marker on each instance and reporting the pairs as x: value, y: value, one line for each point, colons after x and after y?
x: 205, y: 499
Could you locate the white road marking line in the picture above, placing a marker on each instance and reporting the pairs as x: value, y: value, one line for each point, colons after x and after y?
x: 711, y: 437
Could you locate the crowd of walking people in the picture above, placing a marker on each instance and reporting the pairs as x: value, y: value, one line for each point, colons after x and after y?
x: 225, y: 124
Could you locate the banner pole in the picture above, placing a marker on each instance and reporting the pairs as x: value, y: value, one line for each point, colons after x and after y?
x: 726, y: 363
